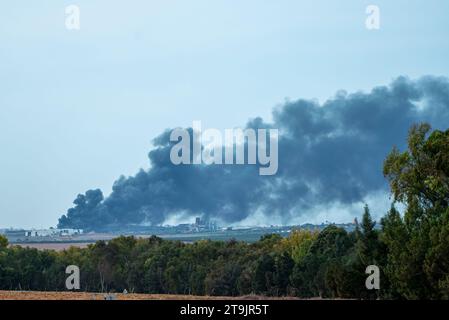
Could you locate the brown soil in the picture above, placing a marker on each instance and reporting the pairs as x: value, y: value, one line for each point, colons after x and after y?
x: 40, y: 295
x: 57, y: 246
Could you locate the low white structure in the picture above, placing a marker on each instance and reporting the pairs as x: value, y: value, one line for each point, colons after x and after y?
x: 53, y: 232
x: 70, y: 232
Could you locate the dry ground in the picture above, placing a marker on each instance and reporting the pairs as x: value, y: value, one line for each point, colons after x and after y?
x: 40, y: 295
x: 57, y: 246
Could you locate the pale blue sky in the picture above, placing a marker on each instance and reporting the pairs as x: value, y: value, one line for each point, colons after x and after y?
x: 79, y: 108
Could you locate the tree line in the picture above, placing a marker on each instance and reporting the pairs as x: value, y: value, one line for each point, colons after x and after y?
x: 411, y: 249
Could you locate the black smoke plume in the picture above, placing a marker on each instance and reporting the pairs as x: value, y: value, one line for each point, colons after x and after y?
x: 328, y: 153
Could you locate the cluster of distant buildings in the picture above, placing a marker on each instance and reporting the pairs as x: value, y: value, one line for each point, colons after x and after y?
x: 200, y: 225
x: 199, y: 228
x: 14, y: 235
x: 43, y: 235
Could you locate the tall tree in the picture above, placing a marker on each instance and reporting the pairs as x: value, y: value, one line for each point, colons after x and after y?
x: 419, y: 178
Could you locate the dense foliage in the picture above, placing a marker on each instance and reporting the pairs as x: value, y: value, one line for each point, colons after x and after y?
x: 411, y: 249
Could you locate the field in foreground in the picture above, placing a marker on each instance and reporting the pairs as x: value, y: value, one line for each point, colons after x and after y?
x: 50, y: 295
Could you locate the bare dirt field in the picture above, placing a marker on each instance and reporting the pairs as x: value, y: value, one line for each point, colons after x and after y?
x: 40, y: 295
x: 57, y: 246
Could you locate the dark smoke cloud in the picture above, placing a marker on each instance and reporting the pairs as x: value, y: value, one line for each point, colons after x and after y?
x: 328, y: 153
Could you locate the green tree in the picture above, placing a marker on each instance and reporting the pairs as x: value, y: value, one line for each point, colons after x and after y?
x: 367, y: 241
x: 297, y: 244
x: 3, y: 242
x: 312, y: 276
x: 263, y: 276
x: 417, y: 252
x: 222, y: 280
x: 283, y: 266
x: 421, y: 174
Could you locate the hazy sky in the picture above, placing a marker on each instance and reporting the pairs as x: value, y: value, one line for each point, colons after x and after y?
x: 80, y: 108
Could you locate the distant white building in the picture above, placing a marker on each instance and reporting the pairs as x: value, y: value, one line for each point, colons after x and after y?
x: 70, y: 232
x: 53, y: 232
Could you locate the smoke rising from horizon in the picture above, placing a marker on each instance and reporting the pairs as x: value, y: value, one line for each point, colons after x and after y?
x: 329, y: 154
